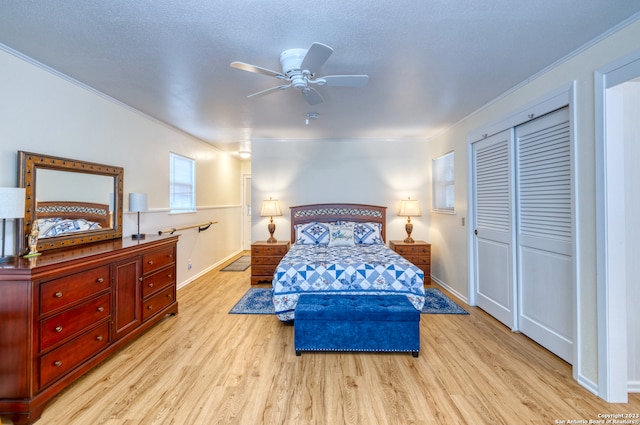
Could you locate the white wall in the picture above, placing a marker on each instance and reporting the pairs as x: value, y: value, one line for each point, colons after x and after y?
x: 351, y: 171
x: 43, y: 113
x: 449, y: 241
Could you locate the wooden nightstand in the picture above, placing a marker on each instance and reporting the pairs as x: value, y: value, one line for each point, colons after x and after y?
x: 419, y: 253
x: 265, y: 257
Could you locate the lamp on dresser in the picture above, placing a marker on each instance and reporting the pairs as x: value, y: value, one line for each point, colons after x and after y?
x: 270, y: 208
x: 409, y: 208
x: 11, y: 207
x: 138, y: 203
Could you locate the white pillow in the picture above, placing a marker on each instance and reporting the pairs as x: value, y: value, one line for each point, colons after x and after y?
x: 341, y: 235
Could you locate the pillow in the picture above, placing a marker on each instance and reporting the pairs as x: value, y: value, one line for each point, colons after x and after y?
x: 312, y: 233
x: 366, y: 233
x: 341, y: 235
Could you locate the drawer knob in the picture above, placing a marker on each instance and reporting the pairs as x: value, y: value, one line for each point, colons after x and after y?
x: 58, y: 328
x: 99, y: 338
x: 100, y: 280
x: 150, y: 285
x: 169, y: 296
x: 100, y: 309
x: 169, y: 275
x: 141, y: 278
x: 150, y: 307
x: 58, y: 294
x: 150, y: 262
x: 170, y: 255
x: 57, y: 363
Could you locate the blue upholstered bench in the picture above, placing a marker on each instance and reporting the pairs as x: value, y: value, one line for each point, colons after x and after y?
x: 326, y: 322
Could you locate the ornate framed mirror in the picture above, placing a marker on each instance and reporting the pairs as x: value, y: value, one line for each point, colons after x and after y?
x: 71, y: 202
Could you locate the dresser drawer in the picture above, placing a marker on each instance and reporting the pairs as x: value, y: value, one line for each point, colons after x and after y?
x: 266, y: 260
x: 419, y: 261
x: 157, y: 260
x: 72, y: 321
x: 70, y: 289
x: 157, y: 302
x: 158, y: 280
x: 61, y: 360
x: 405, y: 250
x: 263, y: 270
x: 277, y: 250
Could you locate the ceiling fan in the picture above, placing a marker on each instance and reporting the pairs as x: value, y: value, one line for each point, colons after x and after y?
x: 299, y: 68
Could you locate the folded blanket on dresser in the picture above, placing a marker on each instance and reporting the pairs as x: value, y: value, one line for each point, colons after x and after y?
x: 361, y: 269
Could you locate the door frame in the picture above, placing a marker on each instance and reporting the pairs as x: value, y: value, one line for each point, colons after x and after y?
x: 610, y: 246
x: 556, y: 99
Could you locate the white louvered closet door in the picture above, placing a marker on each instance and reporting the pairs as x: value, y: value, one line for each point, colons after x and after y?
x: 493, y: 227
x: 545, y: 232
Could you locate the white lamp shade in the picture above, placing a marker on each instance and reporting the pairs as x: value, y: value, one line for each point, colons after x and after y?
x: 137, y: 202
x: 409, y: 208
x: 270, y: 208
x: 12, y: 202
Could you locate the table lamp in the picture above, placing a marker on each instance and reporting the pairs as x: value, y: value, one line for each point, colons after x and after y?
x: 11, y: 207
x: 409, y: 208
x: 270, y: 208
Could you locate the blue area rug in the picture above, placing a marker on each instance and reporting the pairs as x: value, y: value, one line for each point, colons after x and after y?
x: 258, y: 301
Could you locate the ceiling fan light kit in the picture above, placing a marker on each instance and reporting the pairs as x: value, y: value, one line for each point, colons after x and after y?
x: 299, y: 68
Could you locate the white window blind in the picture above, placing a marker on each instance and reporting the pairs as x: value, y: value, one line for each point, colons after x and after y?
x: 182, y: 196
x: 443, y: 183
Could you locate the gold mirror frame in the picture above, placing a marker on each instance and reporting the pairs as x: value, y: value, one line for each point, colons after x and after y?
x: 29, y: 163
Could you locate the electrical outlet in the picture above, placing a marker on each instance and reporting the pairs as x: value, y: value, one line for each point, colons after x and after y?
x: 189, y: 265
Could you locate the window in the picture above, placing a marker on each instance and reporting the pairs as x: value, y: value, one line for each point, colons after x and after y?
x: 443, y: 183
x: 182, y: 174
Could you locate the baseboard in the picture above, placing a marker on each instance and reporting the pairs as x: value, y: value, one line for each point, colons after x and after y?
x: 633, y: 386
x: 208, y: 269
x: 450, y: 289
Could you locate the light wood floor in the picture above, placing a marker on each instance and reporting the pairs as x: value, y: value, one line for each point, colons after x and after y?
x: 205, y: 366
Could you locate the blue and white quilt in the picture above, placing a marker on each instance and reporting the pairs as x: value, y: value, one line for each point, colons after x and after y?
x: 362, y: 269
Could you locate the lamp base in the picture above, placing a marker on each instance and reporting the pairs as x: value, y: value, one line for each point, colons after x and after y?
x: 409, y: 228
x: 138, y: 236
x: 272, y: 228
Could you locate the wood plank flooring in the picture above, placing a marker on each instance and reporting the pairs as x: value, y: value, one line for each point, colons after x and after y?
x: 205, y: 366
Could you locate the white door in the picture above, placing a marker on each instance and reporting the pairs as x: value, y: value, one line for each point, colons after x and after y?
x: 545, y: 232
x: 493, y: 227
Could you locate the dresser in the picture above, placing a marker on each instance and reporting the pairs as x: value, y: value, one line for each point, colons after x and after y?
x: 265, y: 257
x: 418, y: 252
x: 63, y: 312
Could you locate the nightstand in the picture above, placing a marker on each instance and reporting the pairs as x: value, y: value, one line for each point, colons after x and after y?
x: 265, y: 256
x: 419, y: 253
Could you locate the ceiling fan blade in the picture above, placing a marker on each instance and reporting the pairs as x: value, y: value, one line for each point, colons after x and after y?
x: 312, y: 96
x: 256, y: 69
x: 342, y: 80
x: 269, y: 91
x: 316, y: 56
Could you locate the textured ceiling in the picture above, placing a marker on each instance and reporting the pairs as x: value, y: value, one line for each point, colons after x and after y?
x: 430, y: 62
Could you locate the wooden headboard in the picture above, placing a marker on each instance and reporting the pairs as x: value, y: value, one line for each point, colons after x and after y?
x: 328, y: 213
x: 98, y: 213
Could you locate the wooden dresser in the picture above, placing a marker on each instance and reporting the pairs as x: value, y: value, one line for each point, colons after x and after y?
x: 418, y: 252
x: 63, y: 312
x: 265, y: 256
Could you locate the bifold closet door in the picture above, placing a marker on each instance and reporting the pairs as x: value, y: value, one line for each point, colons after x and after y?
x: 493, y: 227
x: 545, y: 232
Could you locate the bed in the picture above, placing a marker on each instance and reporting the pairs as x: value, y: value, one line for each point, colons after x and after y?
x: 56, y: 218
x: 322, y: 258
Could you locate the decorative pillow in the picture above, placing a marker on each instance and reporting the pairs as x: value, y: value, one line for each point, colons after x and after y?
x: 366, y: 233
x: 312, y: 234
x: 341, y: 235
